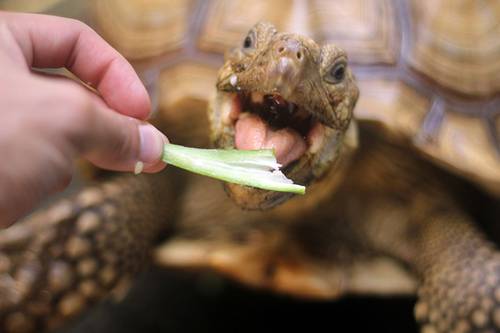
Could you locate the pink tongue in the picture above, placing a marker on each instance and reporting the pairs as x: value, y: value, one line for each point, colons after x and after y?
x: 252, y: 132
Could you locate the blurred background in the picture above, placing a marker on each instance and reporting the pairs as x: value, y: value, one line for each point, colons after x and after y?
x: 415, y: 56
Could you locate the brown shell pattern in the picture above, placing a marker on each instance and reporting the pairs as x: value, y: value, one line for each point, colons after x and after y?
x: 427, y: 69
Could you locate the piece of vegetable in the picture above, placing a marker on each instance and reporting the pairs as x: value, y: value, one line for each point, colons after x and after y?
x: 256, y: 168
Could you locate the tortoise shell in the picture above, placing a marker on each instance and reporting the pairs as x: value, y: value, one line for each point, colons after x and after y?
x: 418, y: 74
x: 427, y: 70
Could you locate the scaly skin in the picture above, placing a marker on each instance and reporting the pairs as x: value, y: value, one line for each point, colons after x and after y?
x: 62, y: 260
x: 302, y: 72
x: 396, y: 204
x: 458, y: 267
x: 387, y: 202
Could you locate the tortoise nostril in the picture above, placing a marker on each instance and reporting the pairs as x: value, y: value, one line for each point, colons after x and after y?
x: 291, y: 49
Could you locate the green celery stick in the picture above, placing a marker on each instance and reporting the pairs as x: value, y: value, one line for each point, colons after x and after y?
x: 256, y: 168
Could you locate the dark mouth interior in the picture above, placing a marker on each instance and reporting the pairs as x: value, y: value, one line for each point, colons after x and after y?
x: 277, y: 112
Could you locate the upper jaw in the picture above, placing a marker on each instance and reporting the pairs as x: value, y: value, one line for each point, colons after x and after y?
x: 293, y: 91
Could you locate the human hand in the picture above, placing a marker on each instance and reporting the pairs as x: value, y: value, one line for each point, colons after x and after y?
x: 45, y: 122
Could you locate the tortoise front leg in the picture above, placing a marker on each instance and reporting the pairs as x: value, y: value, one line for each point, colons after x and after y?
x: 62, y: 260
x: 460, y: 269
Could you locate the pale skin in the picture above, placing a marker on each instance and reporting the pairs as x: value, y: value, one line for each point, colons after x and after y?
x: 47, y: 122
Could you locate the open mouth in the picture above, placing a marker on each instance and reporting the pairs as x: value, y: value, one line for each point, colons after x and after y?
x: 268, y: 121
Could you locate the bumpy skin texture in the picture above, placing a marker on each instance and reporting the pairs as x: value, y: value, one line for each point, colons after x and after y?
x: 417, y: 219
x: 387, y: 201
x: 303, y: 73
x: 460, y: 289
x: 393, y: 202
x: 297, y: 68
x: 60, y: 261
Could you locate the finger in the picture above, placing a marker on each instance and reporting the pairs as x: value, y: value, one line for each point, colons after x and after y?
x: 49, y: 41
x: 107, y: 138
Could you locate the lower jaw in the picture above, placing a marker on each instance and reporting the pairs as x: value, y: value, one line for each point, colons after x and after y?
x: 250, y: 198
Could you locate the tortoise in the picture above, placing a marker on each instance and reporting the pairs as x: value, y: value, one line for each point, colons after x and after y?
x: 395, y: 180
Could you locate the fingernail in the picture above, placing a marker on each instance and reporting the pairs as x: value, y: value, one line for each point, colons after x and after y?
x: 139, y: 166
x: 152, y: 141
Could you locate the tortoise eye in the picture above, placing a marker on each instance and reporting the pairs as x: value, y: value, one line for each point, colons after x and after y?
x: 249, y: 41
x: 337, y: 73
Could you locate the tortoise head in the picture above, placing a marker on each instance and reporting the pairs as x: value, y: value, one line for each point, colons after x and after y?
x: 285, y: 92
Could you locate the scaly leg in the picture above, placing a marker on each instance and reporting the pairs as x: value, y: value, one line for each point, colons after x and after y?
x: 398, y: 205
x: 56, y: 263
x: 460, y: 269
